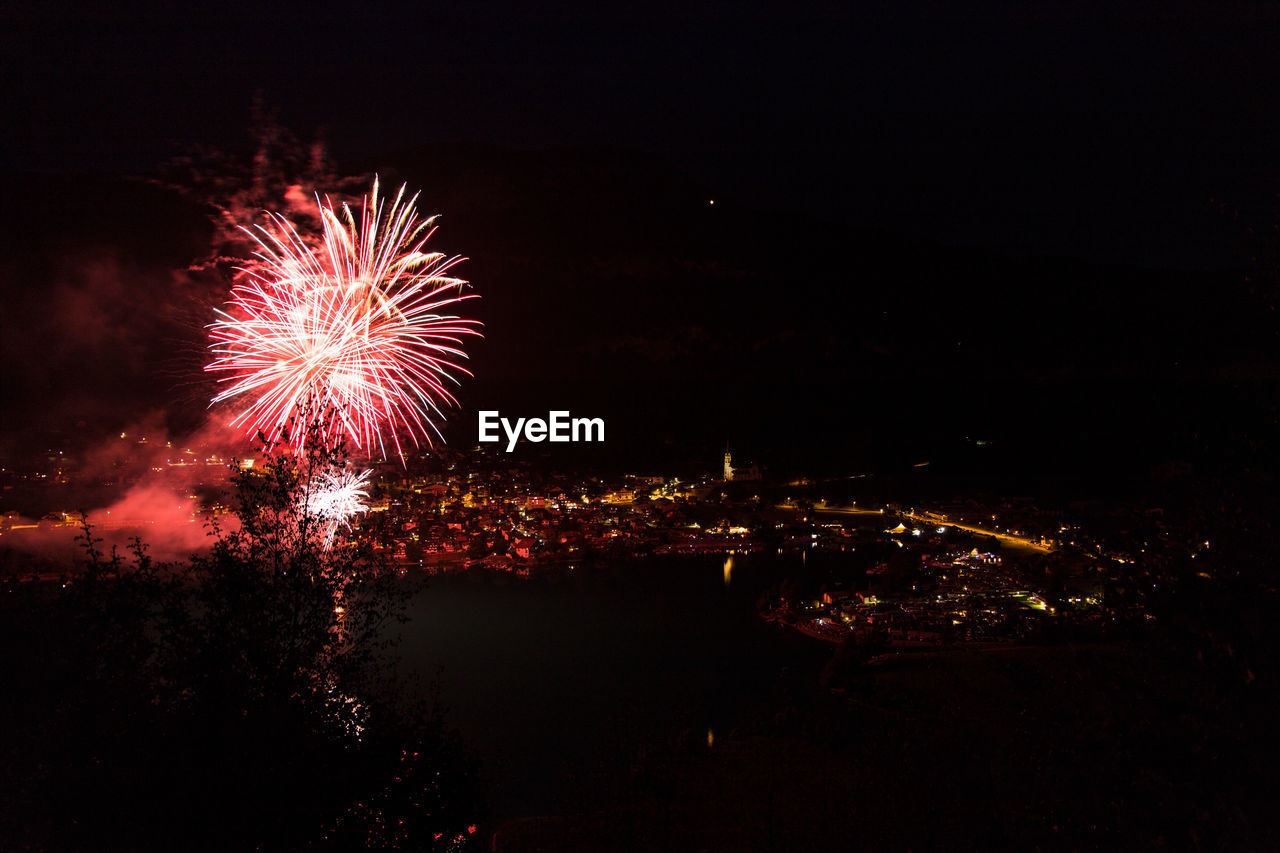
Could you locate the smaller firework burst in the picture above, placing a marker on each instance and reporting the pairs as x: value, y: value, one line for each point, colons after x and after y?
x: 335, y: 497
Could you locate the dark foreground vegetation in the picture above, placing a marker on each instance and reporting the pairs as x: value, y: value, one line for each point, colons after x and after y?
x: 244, y: 700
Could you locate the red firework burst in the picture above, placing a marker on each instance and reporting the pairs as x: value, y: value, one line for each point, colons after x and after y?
x: 355, y: 326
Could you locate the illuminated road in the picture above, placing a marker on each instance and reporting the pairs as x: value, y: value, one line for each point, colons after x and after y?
x: 1020, y: 541
x: 849, y: 510
x: 1004, y: 538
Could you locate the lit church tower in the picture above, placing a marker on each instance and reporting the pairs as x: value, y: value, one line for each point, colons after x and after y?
x: 728, y: 465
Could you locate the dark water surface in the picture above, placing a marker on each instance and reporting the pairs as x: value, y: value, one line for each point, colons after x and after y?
x: 558, y: 683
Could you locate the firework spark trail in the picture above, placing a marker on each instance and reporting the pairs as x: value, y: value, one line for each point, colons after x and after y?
x: 355, y: 326
x: 335, y: 497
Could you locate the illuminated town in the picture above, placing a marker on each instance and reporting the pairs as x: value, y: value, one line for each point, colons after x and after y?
x: 908, y: 579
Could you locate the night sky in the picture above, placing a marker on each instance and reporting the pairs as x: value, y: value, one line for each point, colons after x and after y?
x: 1094, y: 130
x: 1101, y: 141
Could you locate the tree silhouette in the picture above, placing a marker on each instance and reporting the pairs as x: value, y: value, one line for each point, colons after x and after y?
x: 243, y: 699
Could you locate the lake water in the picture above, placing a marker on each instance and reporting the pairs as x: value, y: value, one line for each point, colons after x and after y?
x: 556, y: 683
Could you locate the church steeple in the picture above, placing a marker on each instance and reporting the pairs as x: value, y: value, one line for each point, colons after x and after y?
x: 728, y: 464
